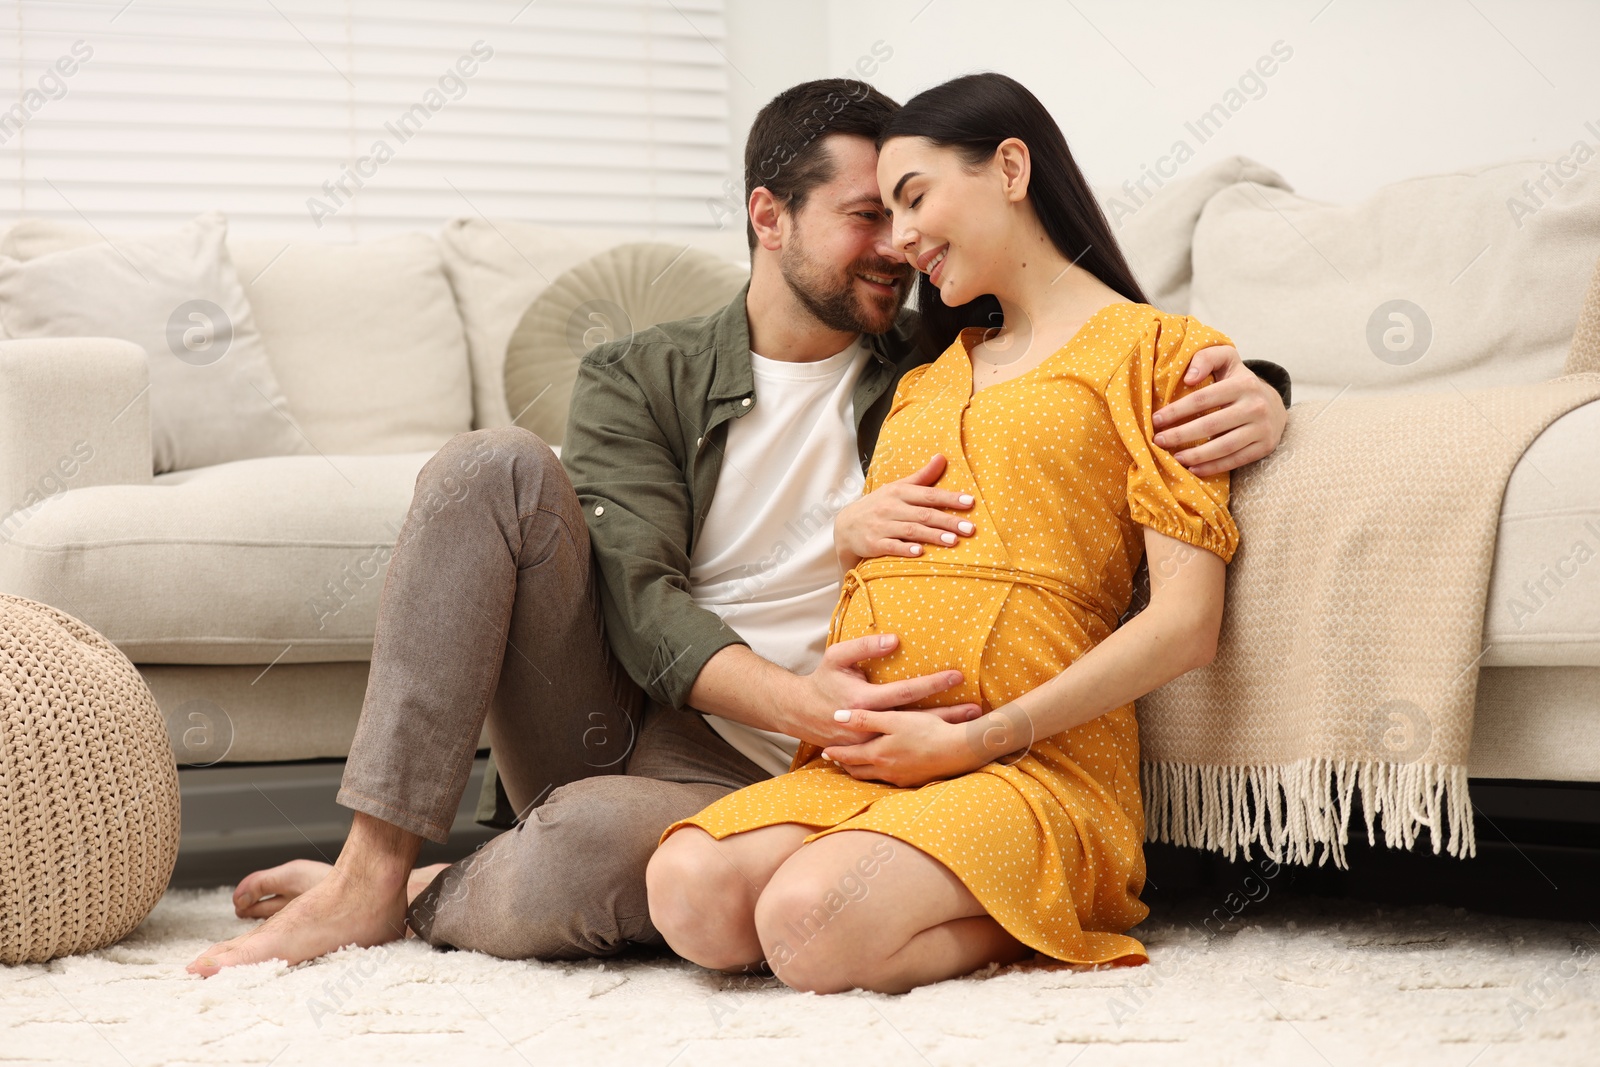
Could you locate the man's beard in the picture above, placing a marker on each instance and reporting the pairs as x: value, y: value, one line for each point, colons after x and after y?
x: 833, y: 298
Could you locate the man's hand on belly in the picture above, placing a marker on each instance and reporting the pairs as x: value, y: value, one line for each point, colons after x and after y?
x: 739, y: 685
x: 840, y: 683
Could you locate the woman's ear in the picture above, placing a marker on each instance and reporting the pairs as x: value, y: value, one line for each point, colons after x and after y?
x: 1016, y: 167
x: 764, y: 216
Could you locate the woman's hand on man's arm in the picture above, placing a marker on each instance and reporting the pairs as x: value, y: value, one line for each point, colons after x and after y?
x: 1243, y: 416
x: 897, y: 519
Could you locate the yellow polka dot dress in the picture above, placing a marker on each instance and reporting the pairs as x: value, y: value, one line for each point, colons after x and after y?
x: 1062, y: 465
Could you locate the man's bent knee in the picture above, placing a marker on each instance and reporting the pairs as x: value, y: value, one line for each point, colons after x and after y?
x: 485, y: 462
x: 463, y: 458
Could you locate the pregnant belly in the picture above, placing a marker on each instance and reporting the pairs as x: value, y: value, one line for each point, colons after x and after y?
x: 1005, y: 638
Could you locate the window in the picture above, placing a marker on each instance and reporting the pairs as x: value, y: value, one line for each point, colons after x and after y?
x: 356, y: 118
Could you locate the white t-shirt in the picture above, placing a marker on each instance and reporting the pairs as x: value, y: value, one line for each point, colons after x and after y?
x: 764, y: 562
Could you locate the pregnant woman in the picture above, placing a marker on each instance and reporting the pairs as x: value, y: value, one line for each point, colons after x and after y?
x: 935, y: 848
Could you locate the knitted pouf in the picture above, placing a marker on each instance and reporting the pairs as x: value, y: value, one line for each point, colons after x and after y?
x: 88, y: 788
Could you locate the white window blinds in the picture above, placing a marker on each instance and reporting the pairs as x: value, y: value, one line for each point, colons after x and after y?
x: 356, y: 118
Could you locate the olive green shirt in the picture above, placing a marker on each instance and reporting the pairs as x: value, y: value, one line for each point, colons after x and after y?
x: 643, y: 447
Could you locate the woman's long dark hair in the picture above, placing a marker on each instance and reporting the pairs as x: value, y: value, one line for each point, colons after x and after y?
x: 973, y: 114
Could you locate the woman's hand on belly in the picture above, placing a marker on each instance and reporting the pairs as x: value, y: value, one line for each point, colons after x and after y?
x: 912, y: 747
x: 897, y: 519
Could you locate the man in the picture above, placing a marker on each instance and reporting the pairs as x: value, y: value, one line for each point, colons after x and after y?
x: 642, y: 622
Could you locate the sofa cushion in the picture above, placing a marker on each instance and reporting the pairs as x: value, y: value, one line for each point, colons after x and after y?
x: 1471, y: 279
x: 1544, y: 592
x: 606, y: 297
x: 214, y: 396
x: 498, y: 268
x: 364, y: 338
x: 1154, y: 224
x: 235, y: 563
x: 30, y: 238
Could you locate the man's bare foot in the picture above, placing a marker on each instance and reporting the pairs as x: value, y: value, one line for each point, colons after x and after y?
x: 262, y: 894
x: 360, y: 901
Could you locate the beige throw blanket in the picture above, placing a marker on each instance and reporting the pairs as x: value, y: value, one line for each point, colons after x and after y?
x: 1352, y: 634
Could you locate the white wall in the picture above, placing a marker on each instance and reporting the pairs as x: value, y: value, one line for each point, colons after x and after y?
x: 770, y: 46
x: 1373, y: 92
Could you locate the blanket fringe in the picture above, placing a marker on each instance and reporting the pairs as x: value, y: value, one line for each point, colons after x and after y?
x: 1300, y: 812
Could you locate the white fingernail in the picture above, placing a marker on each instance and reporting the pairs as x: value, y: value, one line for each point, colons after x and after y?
x: 841, y: 716
x: 948, y: 538
x: 967, y: 527
x: 966, y: 498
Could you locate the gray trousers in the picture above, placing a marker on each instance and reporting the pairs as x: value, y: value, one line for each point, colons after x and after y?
x: 490, y: 613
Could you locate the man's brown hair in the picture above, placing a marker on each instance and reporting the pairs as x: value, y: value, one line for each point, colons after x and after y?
x: 784, y: 151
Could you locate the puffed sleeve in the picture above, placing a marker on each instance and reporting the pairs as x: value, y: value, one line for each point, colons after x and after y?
x: 1163, y: 494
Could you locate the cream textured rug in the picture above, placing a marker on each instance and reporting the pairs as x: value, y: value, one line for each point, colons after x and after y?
x: 1278, y: 980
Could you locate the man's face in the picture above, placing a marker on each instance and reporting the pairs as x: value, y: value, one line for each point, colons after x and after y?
x: 836, y: 256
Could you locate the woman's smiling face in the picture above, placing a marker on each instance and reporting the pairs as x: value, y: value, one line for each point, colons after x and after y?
x: 951, y: 222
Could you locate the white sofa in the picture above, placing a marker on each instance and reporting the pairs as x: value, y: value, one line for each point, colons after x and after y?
x: 247, y: 592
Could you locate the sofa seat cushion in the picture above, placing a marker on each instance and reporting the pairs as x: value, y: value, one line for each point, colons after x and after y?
x: 1544, y: 592
x: 277, y: 559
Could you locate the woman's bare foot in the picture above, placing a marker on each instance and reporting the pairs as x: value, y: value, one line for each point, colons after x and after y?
x: 360, y: 901
x: 420, y: 880
x: 262, y: 894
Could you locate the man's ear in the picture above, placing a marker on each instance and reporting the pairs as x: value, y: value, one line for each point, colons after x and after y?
x: 766, y: 218
x: 1016, y: 167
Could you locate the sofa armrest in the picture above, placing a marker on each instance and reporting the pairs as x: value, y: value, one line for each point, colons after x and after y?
x: 74, y: 412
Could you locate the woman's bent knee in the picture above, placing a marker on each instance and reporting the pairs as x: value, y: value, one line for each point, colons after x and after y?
x: 699, y: 903
x: 798, y: 919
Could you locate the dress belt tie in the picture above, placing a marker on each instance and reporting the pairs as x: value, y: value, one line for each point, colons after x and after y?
x: 855, y: 581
